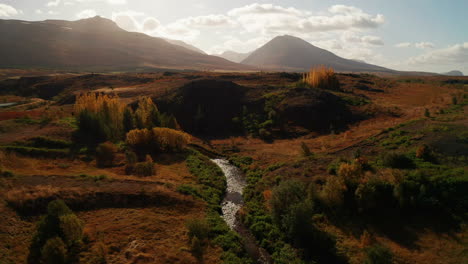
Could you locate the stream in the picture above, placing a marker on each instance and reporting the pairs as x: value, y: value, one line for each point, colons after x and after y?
x: 231, y: 204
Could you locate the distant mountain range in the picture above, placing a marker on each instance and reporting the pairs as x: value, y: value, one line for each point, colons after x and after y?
x: 234, y: 56
x: 95, y: 44
x: 453, y: 73
x: 98, y: 44
x: 288, y: 53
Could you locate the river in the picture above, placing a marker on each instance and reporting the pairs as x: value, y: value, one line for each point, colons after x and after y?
x: 231, y: 204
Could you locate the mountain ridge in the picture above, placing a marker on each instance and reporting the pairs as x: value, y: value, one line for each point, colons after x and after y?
x: 95, y: 44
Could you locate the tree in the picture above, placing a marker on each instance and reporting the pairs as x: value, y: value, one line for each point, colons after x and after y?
x: 128, y: 120
x: 72, y: 229
x: 91, y: 129
x: 58, y: 236
x: 147, y: 114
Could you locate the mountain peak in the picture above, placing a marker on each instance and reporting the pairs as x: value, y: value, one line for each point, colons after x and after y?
x: 98, y: 23
x: 291, y: 53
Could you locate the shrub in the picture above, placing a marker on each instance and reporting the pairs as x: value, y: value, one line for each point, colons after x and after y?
x: 322, y: 77
x: 351, y: 173
x: 424, y: 152
x: 286, y: 255
x: 50, y: 143
x: 397, y: 161
x: 291, y: 208
x: 378, y: 255
x: 375, y: 195
x: 145, y: 168
x: 332, y: 193
x: 105, y: 154
x: 54, y: 251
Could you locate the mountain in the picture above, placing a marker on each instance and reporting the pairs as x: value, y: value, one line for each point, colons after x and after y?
x: 185, y: 45
x: 453, y: 73
x: 95, y: 44
x: 234, y: 56
x: 288, y: 53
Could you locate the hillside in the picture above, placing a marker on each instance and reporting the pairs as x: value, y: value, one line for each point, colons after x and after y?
x: 94, y: 44
x: 185, y: 45
x: 288, y: 53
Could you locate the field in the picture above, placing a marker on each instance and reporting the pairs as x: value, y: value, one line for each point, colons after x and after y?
x: 287, y: 130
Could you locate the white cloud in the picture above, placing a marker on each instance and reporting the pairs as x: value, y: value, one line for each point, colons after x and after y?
x: 38, y: 11
x: 273, y: 20
x: 53, y: 3
x: 51, y: 12
x: 7, y: 10
x: 456, y: 54
x: 419, y: 45
x: 366, y: 40
x: 424, y: 45
x: 207, y: 21
x: 86, y: 14
x: 112, y: 2
x: 150, y: 24
x: 127, y: 20
x: 403, y: 45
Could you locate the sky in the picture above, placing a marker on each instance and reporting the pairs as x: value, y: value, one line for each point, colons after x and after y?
x: 417, y: 35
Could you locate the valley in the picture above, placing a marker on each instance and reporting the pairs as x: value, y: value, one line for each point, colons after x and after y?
x: 378, y: 164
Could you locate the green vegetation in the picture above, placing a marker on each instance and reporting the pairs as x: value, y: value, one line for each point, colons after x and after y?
x: 59, y: 235
x: 211, y: 187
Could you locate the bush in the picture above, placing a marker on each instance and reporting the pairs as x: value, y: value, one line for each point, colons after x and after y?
x: 54, y: 251
x: 378, y: 255
x: 351, y: 173
x: 50, y: 143
x: 397, y: 161
x: 105, y: 154
x: 145, y: 168
x: 375, y: 195
x: 333, y: 192
x: 291, y: 208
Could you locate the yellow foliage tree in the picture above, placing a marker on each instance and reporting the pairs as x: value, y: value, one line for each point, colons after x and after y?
x: 158, y: 139
x: 321, y: 77
x: 146, y: 113
x: 108, y: 108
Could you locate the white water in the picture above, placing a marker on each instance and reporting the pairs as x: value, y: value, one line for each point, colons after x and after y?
x: 232, y: 201
x: 231, y: 204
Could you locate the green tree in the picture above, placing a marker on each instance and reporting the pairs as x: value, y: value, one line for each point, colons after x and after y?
x: 128, y: 120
